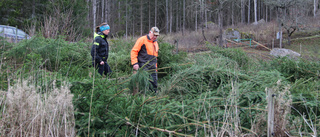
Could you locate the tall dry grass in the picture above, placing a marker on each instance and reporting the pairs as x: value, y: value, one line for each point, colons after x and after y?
x: 27, y: 111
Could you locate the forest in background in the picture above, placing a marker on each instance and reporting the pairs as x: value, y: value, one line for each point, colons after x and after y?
x: 77, y: 19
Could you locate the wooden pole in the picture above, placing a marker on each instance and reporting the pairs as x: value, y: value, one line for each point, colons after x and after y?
x: 261, y: 45
x: 270, y: 113
x: 300, y: 48
x: 272, y: 43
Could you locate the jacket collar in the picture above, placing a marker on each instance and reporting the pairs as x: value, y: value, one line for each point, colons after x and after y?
x: 149, y: 39
x: 100, y: 34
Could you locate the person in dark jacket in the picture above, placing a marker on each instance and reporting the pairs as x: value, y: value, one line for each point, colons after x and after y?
x: 100, y: 49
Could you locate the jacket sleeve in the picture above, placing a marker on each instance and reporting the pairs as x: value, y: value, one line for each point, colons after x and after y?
x: 94, y: 50
x: 135, y: 51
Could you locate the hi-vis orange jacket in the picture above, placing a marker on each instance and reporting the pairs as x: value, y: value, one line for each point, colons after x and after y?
x: 143, y: 51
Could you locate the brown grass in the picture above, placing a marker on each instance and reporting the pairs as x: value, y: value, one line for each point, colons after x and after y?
x: 191, y: 40
x: 265, y: 34
x: 25, y: 111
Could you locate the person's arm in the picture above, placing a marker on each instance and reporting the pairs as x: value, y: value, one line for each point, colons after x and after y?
x: 134, y: 54
x: 94, y: 50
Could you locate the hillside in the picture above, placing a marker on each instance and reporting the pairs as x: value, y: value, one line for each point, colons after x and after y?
x: 48, y: 88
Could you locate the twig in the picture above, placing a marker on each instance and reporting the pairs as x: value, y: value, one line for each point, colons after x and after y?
x: 159, y: 129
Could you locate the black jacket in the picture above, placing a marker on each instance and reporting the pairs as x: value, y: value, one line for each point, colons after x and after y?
x: 100, y: 48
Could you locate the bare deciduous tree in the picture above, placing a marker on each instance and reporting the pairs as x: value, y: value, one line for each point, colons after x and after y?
x: 289, y: 14
x: 249, y: 8
x: 315, y: 7
x: 167, y: 16
x: 171, y: 5
x: 184, y: 16
x: 243, y: 10
x: 141, y: 17
x: 155, y: 13
x: 94, y: 9
x: 255, y: 12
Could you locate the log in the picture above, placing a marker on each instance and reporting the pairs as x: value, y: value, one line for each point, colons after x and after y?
x: 261, y: 45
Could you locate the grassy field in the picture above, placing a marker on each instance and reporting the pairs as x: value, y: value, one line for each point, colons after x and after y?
x: 308, y: 47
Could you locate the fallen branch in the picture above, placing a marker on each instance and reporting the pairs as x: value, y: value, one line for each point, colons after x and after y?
x: 261, y: 45
x: 159, y: 129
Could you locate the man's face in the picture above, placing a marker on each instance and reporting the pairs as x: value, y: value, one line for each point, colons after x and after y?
x: 152, y: 36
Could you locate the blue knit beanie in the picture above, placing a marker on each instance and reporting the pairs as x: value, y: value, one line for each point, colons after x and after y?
x: 104, y: 27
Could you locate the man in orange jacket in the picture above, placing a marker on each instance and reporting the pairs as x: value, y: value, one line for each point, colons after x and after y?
x: 146, y: 51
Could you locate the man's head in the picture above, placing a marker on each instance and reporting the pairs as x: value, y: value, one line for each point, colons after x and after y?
x: 154, y: 33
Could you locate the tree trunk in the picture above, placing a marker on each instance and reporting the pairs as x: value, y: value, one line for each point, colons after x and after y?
x: 270, y: 13
x: 202, y: 14
x: 220, y: 23
x: 177, y: 17
x: 155, y: 13
x: 249, y: 8
x: 202, y: 19
x: 33, y: 9
x: 315, y: 7
x: 149, y: 19
x: 232, y: 14
x: 132, y: 18
x: 289, y: 35
x: 290, y: 31
x: 255, y: 12
x: 102, y: 11
x: 266, y: 13
x: 106, y: 13
x: 119, y: 11
x: 280, y: 27
x: 184, y: 16
x: 167, y: 17
x: 126, y: 19
x: 88, y: 15
x: 94, y: 14
x: 171, y: 15
x: 206, y: 16
x: 141, y: 17
x: 243, y: 10
x: 33, y: 17
x: 97, y: 12
x: 259, y: 10
x: 196, y: 18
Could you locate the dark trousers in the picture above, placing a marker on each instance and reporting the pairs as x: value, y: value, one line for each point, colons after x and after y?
x: 104, y: 69
x: 154, y: 76
x: 154, y: 83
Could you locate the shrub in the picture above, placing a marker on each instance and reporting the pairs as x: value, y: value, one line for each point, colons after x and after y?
x: 51, y: 54
x: 237, y: 55
x: 295, y: 69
